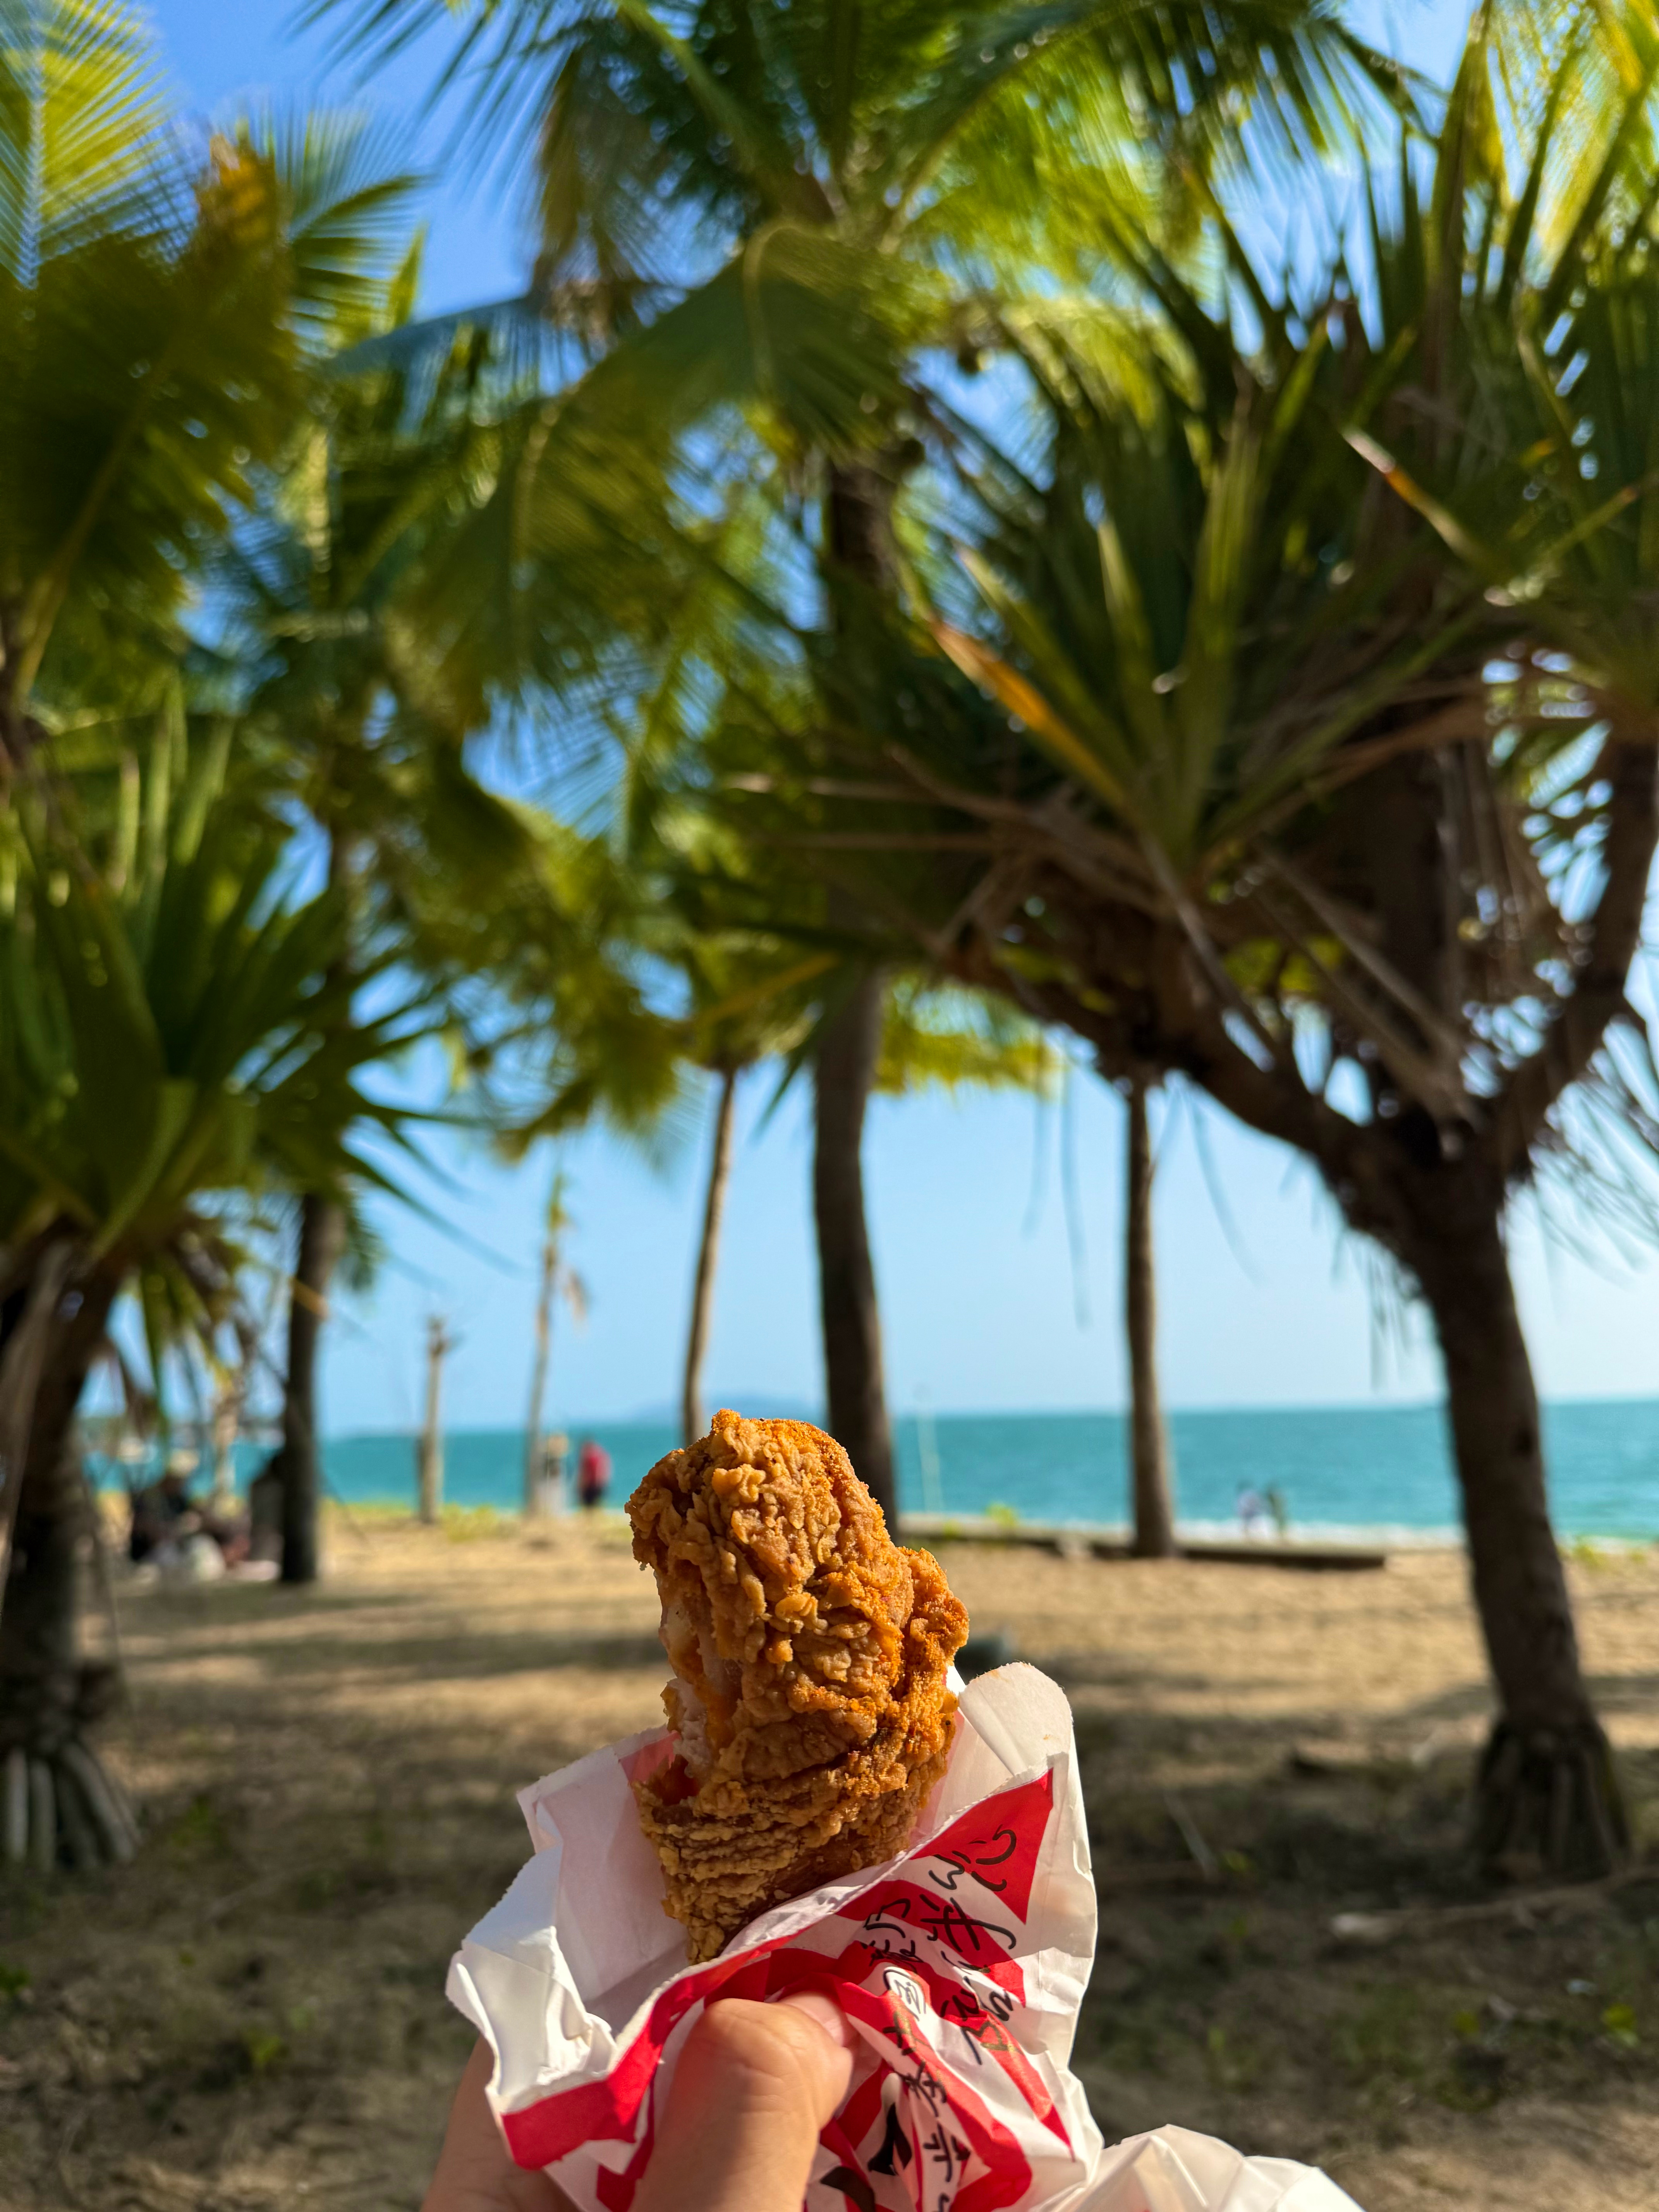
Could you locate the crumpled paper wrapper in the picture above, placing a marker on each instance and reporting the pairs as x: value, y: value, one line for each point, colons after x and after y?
x: 961, y: 1965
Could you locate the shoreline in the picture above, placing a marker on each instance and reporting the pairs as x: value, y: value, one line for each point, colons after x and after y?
x: 1199, y: 1539
x: 1374, y: 1476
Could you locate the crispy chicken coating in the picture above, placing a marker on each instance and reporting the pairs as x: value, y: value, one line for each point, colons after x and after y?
x: 809, y: 1653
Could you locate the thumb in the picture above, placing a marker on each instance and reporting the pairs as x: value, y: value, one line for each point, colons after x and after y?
x: 754, y: 2085
x: 818, y: 2005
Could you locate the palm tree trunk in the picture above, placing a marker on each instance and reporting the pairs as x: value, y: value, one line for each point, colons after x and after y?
x: 859, y: 536
x: 854, y: 1388
x: 298, y: 1462
x: 702, y: 1294
x: 1149, y: 1443
x: 14, y: 721
x: 1547, y: 1795
x: 532, y: 1443
x: 226, y: 1419
x: 60, y: 1802
x: 322, y: 1240
x: 30, y: 1319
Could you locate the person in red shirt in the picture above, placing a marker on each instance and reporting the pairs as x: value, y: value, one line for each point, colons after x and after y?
x: 592, y: 1474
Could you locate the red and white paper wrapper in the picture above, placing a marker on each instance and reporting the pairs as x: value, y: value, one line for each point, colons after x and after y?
x: 961, y: 1966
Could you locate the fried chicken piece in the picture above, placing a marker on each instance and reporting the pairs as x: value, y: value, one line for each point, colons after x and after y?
x: 809, y: 1653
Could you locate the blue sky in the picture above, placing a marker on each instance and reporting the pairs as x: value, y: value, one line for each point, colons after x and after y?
x: 977, y: 1281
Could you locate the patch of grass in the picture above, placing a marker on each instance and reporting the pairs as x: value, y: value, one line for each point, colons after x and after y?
x: 1131, y: 2045
x: 611, y: 1531
x: 1620, y: 2026
x: 1584, y: 1552
x: 1231, y: 1944
x: 263, y: 2050
x: 1401, y: 2038
x: 1387, y: 2040
x: 345, y: 1887
x: 1234, y: 2062
x: 1477, y: 2071
x: 202, y: 1831
x: 464, y: 1524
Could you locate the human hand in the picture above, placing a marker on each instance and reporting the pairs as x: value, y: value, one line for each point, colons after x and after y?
x: 754, y: 2085
x: 475, y: 2171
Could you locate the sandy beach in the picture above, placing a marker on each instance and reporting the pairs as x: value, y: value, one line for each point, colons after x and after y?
x: 254, y: 2013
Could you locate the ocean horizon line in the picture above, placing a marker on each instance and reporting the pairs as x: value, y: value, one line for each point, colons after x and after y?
x: 1365, y: 1467
x: 666, y: 1417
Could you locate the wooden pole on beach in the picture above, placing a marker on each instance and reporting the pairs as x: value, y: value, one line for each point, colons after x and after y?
x: 429, y: 1456
x: 532, y: 1441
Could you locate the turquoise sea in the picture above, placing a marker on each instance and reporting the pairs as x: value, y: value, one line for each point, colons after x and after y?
x: 1338, y: 1469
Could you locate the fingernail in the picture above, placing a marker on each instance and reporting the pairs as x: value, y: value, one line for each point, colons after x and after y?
x: 819, y: 2005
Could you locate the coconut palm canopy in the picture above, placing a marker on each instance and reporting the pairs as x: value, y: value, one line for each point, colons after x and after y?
x: 1406, y: 513
x: 158, y: 301
x: 770, y: 221
x: 173, y: 1038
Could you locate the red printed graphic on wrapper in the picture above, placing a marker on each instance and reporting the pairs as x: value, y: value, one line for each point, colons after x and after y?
x: 945, y: 2110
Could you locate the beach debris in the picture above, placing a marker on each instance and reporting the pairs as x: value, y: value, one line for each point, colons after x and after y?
x: 1193, y: 1836
x: 1523, y: 1906
x: 1423, y: 1755
x: 1312, y: 1763
x: 1153, y: 1873
x: 14, y: 1832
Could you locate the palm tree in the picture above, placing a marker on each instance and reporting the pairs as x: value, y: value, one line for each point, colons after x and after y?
x: 155, y: 328
x: 151, y: 337
x: 172, y: 1053
x: 364, y: 698
x: 748, y: 997
x: 1301, y: 741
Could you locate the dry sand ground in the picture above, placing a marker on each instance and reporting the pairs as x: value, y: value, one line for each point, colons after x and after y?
x: 252, y: 2014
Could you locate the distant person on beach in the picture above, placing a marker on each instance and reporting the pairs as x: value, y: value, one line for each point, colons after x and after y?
x: 170, y: 1531
x: 164, y: 1515
x: 1280, y: 1511
x: 556, y: 1471
x: 592, y: 1475
x: 1252, y: 1513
